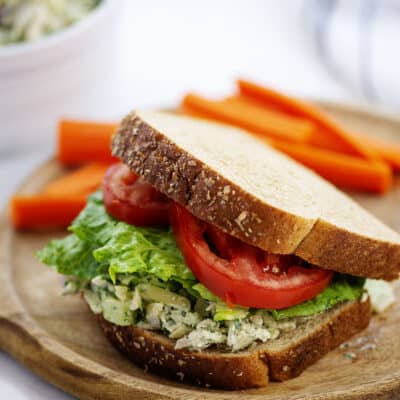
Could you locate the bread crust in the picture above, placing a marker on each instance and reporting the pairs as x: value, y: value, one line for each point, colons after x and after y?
x: 211, y: 197
x: 242, y: 370
x: 336, y: 249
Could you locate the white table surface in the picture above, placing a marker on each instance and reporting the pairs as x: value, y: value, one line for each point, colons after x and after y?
x: 187, y: 45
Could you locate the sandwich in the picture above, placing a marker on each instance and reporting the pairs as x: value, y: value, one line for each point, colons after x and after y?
x: 215, y: 260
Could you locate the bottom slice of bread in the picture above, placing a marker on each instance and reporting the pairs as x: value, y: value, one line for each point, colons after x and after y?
x: 278, y: 360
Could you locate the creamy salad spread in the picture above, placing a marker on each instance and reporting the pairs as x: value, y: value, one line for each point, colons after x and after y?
x: 29, y: 20
x: 198, y: 327
x: 137, y: 276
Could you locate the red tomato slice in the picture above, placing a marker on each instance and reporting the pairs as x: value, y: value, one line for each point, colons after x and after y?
x: 132, y: 200
x: 240, y: 273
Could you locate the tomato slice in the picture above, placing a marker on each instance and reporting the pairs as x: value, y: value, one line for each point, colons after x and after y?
x: 240, y: 273
x: 130, y: 199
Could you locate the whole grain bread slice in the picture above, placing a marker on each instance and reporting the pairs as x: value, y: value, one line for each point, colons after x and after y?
x: 277, y: 360
x: 228, y: 178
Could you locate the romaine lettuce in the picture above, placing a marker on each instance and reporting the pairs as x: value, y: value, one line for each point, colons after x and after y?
x: 342, y: 288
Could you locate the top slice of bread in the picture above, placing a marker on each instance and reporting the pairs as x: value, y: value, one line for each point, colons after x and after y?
x: 230, y: 179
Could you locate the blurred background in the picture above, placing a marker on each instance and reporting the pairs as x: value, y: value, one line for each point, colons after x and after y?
x: 126, y: 54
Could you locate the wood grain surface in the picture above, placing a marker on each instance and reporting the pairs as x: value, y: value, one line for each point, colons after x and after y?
x: 60, y: 340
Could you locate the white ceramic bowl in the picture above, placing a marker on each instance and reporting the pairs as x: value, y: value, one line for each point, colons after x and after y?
x: 64, y: 74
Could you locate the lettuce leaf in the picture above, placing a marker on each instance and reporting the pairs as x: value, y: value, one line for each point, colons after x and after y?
x: 94, y: 225
x: 343, y: 288
x: 222, y: 311
x: 73, y: 257
x: 99, y: 240
x: 143, y: 250
x: 204, y: 293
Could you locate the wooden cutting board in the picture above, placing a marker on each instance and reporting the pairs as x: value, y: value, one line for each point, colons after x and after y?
x: 59, y: 339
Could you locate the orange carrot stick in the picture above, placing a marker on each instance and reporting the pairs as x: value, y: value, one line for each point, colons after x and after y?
x: 81, y: 142
x: 389, y: 151
x: 190, y: 112
x: 341, y: 169
x: 41, y: 211
x: 256, y: 111
x: 82, y: 181
x: 250, y: 116
x: 329, y: 135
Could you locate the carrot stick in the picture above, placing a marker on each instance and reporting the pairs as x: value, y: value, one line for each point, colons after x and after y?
x: 81, y: 142
x: 42, y: 210
x: 82, y: 181
x: 341, y: 169
x: 389, y: 151
x: 258, y: 112
x: 190, y: 112
x: 329, y: 135
x: 250, y: 116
